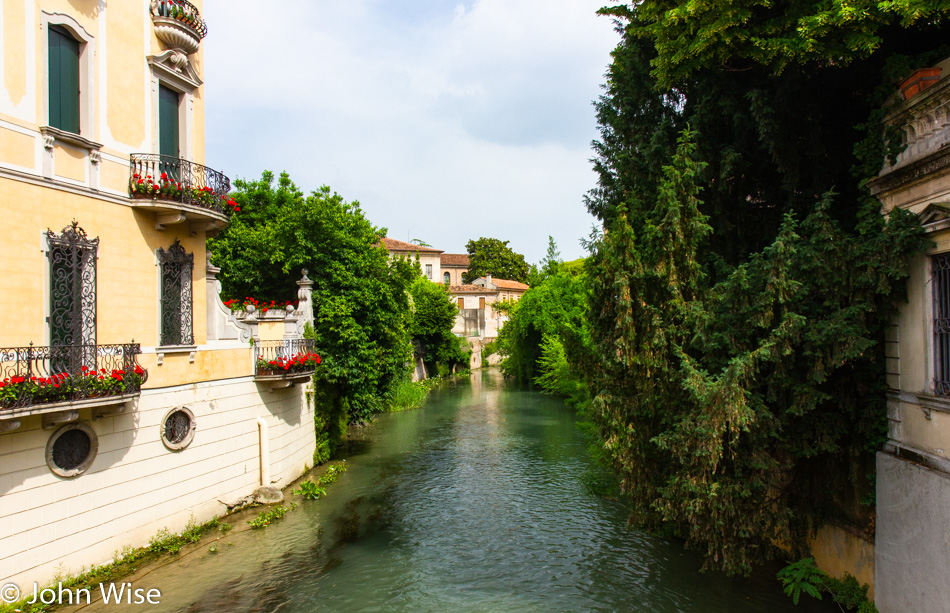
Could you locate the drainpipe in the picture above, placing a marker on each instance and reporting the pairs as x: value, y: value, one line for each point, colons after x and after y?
x: 265, y: 451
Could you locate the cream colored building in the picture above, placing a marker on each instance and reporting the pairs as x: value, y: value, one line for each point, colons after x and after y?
x: 429, y: 259
x: 107, y: 203
x: 912, y: 546
x: 454, y: 265
x: 477, y: 316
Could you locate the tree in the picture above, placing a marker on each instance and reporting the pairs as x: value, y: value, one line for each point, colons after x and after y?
x: 360, y: 295
x: 551, y: 312
x: 739, y: 295
x: 433, y: 317
x: 547, y: 267
x: 490, y: 256
x: 740, y: 34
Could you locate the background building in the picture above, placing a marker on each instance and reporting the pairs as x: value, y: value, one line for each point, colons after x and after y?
x: 429, y: 259
x: 454, y: 265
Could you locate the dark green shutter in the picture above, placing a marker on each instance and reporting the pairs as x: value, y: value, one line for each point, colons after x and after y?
x: 63, y: 80
x: 168, y: 121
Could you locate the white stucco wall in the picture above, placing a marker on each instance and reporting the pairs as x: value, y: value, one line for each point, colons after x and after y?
x: 912, y: 543
x: 136, y: 486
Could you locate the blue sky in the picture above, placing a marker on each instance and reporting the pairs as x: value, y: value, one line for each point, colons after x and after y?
x: 446, y: 120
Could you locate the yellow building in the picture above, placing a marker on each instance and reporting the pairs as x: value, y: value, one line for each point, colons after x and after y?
x: 106, y: 204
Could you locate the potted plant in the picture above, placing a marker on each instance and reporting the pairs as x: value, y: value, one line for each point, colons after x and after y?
x: 918, y: 81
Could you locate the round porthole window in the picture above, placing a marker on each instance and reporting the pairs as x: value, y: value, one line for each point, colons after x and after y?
x: 178, y: 428
x: 71, y: 450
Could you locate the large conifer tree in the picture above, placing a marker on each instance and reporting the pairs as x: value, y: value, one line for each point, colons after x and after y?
x: 740, y: 290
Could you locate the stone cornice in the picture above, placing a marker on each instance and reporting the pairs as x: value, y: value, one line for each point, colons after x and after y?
x: 18, y: 175
x: 890, y: 180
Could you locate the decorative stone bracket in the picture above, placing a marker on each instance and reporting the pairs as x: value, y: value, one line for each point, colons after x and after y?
x: 53, y: 136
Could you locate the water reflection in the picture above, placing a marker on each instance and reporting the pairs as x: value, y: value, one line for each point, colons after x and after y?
x: 474, y: 502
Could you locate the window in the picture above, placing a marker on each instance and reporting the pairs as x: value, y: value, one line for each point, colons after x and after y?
x: 446, y: 278
x: 168, y: 124
x: 71, y: 450
x: 940, y: 270
x: 72, y: 311
x: 178, y: 428
x: 461, y: 303
x: 64, y: 52
x: 429, y: 272
x: 481, y: 302
x: 175, y: 317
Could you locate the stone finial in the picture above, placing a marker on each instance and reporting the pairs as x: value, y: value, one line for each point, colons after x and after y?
x: 305, y: 297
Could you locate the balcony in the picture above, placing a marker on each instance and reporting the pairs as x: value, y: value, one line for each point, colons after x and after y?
x: 178, y: 24
x: 57, y: 381
x: 178, y: 190
x: 281, y: 364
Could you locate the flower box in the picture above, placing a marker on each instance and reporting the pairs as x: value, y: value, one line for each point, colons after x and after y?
x: 917, y: 82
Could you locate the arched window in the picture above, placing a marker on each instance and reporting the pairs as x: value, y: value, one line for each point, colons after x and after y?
x: 446, y: 278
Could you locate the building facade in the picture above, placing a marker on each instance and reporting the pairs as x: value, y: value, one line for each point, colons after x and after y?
x: 429, y: 260
x: 477, y: 316
x: 912, y: 541
x: 454, y: 265
x: 131, y: 398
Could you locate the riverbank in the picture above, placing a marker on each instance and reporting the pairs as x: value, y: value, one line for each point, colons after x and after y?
x: 473, y: 502
x: 133, y: 564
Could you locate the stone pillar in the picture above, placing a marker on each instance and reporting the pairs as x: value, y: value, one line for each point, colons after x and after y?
x: 305, y: 297
x: 211, y: 292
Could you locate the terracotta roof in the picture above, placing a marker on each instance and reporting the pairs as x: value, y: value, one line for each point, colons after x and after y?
x: 455, y: 259
x: 506, y: 284
x: 470, y: 289
x: 392, y: 244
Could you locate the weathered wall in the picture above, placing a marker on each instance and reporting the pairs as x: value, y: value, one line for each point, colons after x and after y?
x: 137, y: 486
x: 839, y: 552
x: 913, y: 537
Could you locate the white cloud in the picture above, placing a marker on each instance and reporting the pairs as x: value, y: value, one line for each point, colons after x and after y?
x: 446, y: 120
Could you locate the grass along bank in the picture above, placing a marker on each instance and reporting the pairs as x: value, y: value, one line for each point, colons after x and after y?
x: 130, y: 564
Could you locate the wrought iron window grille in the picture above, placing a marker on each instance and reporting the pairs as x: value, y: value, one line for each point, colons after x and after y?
x: 940, y: 272
x: 177, y: 267
x: 178, y: 428
x: 72, y: 265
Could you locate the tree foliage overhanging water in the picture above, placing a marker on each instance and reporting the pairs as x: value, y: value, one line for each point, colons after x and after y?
x: 731, y: 346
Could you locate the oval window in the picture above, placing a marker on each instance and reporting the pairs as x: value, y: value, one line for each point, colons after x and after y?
x: 71, y: 450
x: 178, y: 428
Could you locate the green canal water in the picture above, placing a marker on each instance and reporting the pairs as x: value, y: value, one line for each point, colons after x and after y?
x: 474, y: 502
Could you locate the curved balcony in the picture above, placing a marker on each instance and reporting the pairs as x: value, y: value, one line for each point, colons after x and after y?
x: 178, y: 24
x: 178, y: 190
x: 65, y: 378
x: 281, y: 364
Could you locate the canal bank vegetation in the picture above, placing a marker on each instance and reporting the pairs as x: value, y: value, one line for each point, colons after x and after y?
x: 366, y: 327
x: 124, y: 563
x: 727, y: 328
x: 805, y: 577
x: 166, y: 546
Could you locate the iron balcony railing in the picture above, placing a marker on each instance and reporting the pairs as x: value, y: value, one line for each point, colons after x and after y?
x: 182, y: 11
x: 163, y: 177
x: 288, y: 358
x: 32, y: 375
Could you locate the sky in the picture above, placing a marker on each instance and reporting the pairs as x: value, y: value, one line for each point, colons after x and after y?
x: 446, y: 120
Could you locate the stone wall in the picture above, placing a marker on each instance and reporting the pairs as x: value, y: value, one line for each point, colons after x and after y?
x: 913, y: 537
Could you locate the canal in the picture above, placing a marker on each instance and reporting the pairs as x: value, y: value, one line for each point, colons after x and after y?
x: 474, y: 502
